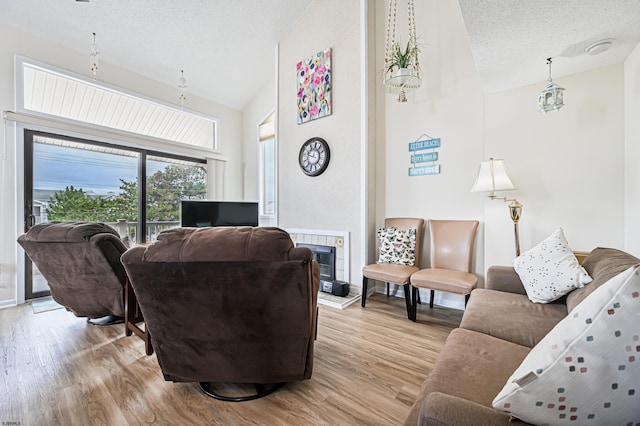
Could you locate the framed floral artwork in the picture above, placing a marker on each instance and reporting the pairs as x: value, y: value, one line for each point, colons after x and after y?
x: 314, y: 86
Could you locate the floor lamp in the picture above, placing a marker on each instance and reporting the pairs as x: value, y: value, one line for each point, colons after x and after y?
x: 493, y: 177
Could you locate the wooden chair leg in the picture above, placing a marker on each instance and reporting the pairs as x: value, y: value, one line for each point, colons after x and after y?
x: 363, y: 297
x: 433, y: 294
x: 133, y: 315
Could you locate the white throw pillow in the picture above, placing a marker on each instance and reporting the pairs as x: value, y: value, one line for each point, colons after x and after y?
x: 587, y: 369
x: 550, y: 270
x: 397, y: 246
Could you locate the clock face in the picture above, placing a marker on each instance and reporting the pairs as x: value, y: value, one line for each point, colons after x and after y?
x: 314, y: 156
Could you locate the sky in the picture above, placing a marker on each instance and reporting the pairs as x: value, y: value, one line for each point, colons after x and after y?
x: 56, y: 167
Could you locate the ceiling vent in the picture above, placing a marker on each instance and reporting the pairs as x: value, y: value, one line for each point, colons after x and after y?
x: 599, y: 47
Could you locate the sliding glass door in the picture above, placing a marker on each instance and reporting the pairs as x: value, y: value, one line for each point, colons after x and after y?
x: 68, y: 180
x: 135, y: 191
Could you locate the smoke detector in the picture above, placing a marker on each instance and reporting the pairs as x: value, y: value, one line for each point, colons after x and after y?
x: 599, y: 47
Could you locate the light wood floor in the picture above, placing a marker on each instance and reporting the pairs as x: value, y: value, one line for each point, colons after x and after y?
x: 369, y: 365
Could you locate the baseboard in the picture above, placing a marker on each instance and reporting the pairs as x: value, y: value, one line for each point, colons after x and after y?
x: 8, y: 303
x: 442, y: 298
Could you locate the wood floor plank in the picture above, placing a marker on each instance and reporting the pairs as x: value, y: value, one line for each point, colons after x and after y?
x: 369, y: 365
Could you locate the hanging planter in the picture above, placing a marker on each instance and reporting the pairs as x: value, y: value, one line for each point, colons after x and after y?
x: 402, y: 75
x: 401, y: 65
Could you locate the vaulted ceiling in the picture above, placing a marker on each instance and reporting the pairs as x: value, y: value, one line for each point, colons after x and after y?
x: 226, y: 47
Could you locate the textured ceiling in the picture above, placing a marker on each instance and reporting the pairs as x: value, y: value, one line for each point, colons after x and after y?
x: 511, y: 39
x: 226, y: 47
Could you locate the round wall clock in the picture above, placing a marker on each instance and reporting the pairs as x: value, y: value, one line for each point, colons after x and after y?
x: 314, y: 156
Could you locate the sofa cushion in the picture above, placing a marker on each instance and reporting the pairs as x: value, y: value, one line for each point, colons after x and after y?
x: 587, y: 369
x: 504, y: 278
x: 471, y: 366
x: 397, y: 246
x: 602, y: 264
x: 550, y: 270
x: 511, y: 316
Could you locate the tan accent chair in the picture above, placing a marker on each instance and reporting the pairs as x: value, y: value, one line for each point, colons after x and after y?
x: 228, y: 305
x: 391, y: 273
x: 451, y: 244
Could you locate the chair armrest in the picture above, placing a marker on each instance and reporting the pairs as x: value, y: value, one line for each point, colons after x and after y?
x: 440, y: 409
x: 504, y: 278
x: 133, y: 255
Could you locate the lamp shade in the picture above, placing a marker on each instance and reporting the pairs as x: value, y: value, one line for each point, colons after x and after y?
x: 492, y: 176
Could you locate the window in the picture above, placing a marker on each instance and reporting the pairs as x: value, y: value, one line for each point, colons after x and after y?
x: 57, y: 93
x: 268, y: 174
x: 74, y: 179
x: 71, y: 179
x: 128, y: 184
x: 169, y: 181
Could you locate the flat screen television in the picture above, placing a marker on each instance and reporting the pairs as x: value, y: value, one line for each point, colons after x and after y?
x: 202, y: 214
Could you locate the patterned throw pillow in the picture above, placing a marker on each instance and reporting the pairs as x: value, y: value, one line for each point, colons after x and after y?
x: 587, y: 369
x: 397, y: 246
x: 550, y: 270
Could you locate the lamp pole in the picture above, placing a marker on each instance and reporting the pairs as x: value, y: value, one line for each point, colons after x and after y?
x: 515, y: 211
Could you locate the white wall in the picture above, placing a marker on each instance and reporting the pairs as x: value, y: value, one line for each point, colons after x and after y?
x: 331, y: 201
x: 632, y: 153
x: 568, y: 165
x: 449, y: 105
x: 17, y: 42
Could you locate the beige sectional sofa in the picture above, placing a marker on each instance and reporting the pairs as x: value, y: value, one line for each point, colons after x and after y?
x: 499, y: 328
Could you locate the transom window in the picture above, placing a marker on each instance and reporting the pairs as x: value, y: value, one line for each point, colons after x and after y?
x: 57, y: 93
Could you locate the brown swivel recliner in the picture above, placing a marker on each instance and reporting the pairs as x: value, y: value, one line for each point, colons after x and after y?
x: 228, y: 305
x: 81, y: 263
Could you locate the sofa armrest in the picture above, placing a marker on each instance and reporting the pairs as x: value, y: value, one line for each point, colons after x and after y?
x: 504, y: 278
x: 441, y: 409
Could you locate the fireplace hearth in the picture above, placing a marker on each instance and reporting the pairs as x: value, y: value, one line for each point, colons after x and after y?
x: 339, y: 240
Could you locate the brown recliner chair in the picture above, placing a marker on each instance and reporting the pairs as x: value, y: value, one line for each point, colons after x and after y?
x: 81, y: 263
x: 228, y: 305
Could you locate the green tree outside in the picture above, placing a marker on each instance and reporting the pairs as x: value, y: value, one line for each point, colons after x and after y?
x: 75, y: 204
x: 165, y: 189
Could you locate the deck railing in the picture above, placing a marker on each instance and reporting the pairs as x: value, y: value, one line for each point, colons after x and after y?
x: 128, y: 229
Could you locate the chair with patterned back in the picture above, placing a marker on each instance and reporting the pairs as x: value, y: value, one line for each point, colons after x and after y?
x: 399, y: 246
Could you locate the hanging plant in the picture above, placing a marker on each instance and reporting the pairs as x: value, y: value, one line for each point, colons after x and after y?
x: 401, y: 58
x: 401, y: 63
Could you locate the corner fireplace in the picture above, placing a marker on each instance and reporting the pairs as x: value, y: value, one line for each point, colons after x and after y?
x: 326, y: 258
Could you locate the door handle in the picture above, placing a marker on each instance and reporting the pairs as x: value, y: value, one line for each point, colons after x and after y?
x: 30, y: 222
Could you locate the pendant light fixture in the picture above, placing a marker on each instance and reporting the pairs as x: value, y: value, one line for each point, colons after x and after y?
x: 401, y: 64
x: 94, y: 58
x: 552, y: 97
x: 182, y: 84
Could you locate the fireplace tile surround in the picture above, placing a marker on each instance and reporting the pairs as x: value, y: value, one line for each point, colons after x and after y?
x: 339, y: 240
